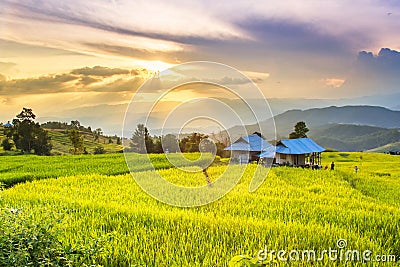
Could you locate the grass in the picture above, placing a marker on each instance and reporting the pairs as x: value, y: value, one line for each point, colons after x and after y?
x: 62, y: 144
x: 17, y: 169
x: 293, y: 209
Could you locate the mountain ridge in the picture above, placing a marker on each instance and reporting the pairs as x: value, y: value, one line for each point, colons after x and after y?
x: 379, y: 120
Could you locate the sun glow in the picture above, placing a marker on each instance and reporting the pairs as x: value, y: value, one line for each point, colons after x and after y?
x: 155, y: 65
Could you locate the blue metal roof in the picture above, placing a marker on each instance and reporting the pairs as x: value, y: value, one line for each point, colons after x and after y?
x: 298, y: 146
x: 242, y: 146
x: 250, y: 143
x: 268, y: 153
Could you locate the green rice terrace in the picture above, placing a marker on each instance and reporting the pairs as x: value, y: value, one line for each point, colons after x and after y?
x: 88, y: 210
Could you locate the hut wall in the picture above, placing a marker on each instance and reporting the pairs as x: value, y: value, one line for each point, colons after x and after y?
x: 241, y: 156
x: 290, y: 159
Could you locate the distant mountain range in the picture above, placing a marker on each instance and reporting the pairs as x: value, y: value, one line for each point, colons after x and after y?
x: 337, y: 127
x: 348, y: 128
x: 110, y: 117
x: 346, y: 137
x: 357, y: 115
x: 280, y: 105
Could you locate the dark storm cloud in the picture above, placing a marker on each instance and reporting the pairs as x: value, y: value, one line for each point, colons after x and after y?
x: 372, y: 73
x: 386, y: 62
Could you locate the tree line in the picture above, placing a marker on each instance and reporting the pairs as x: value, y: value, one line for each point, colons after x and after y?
x: 31, y: 137
x: 142, y: 142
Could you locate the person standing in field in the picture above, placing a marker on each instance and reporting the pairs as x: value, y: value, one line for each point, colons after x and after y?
x: 355, y: 169
x: 332, y: 166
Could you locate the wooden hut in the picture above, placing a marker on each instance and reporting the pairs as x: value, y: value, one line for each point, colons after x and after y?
x: 248, y: 148
x: 298, y: 152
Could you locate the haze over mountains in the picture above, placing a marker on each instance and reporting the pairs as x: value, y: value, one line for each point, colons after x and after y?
x: 110, y: 117
x: 348, y: 124
x: 280, y: 105
x: 357, y: 115
x: 346, y: 128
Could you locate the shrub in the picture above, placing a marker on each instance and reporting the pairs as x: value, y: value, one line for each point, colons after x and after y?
x: 7, y: 144
x: 24, y: 242
x: 99, y: 150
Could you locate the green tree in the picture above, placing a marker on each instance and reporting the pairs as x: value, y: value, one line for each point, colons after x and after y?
x: 7, y: 144
x: 221, y: 141
x: 170, y: 143
x: 191, y: 143
x: 141, y: 141
x: 221, y: 150
x: 207, y: 145
x: 97, y: 133
x: 41, y: 144
x: 149, y: 142
x: 157, y: 145
x: 300, y: 131
x: 77, y: 141
x: 99, y: 150
x: 75, y: 124
x: 23, y: 130
x: 28, y: 135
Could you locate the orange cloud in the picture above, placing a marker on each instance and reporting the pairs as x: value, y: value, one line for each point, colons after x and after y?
x: 333, y: 82
x: 95, y: 79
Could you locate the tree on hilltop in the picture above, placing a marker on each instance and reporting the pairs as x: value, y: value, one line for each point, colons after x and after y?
x: 97, y: 133
x: 300, y: 131
x: 141, y: 141
x: 28, y: 135
x: 77, y: 141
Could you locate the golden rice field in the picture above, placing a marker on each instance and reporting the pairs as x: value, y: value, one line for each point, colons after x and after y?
x: 100, y: 208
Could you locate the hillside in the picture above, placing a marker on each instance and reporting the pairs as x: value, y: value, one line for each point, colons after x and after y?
x: 388, y: 147
x: 62, y: 144
x: 346, y: 137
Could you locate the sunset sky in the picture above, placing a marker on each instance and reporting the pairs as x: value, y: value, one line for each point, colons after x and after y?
x: 68, y: 59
